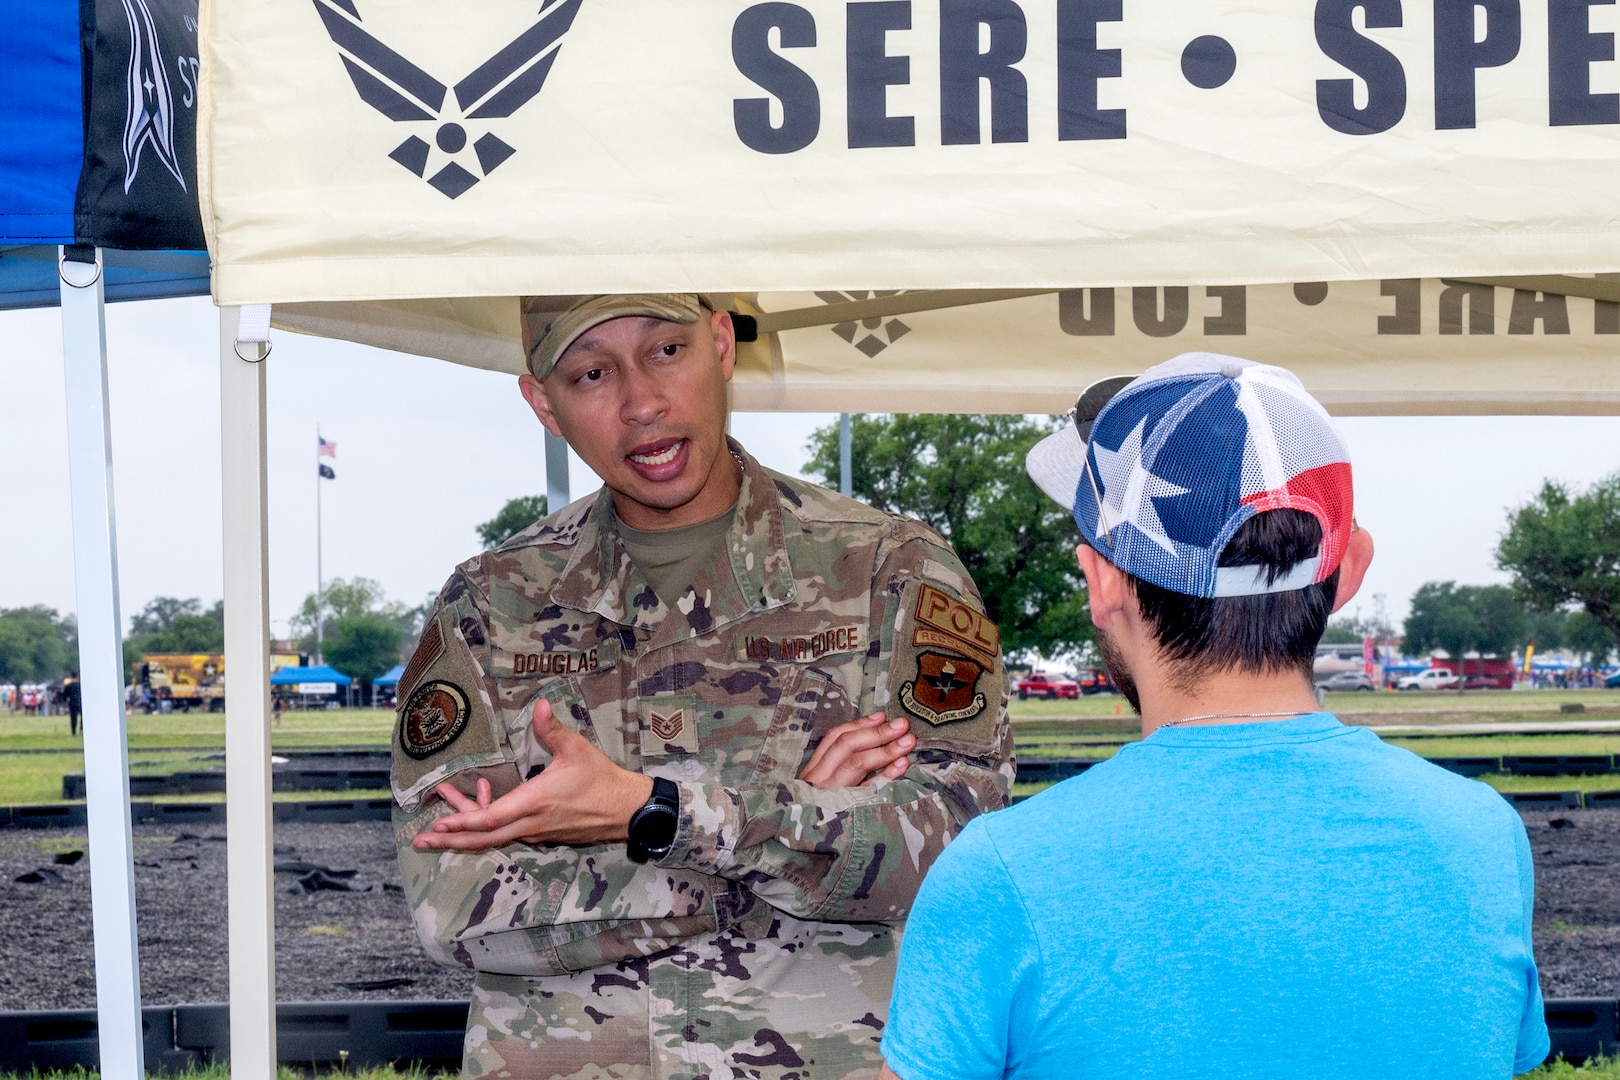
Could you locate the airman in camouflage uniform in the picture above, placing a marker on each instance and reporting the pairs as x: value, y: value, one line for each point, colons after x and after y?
x: 763, y: 944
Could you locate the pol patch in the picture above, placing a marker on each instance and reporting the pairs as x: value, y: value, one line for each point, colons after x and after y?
x: 434, y: 716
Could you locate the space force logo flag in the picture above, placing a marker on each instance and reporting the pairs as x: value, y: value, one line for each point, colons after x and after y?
x: 149, y: 121
x: 454, y: 160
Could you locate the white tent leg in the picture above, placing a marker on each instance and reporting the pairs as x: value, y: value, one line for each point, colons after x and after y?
x: 101, y: 671
x: 247, y: 709
x: 556, y: 473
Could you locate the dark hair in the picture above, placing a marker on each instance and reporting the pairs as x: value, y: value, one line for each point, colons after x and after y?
x: 1265, y: 634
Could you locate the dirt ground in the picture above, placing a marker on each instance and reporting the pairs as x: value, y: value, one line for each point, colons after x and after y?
x: 330, y: 945
x: 337, y: 945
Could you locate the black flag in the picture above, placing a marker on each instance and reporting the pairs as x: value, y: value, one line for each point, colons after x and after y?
x: 326, y: 472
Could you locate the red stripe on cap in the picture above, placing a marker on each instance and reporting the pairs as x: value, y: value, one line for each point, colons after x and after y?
x: 1324, y: 492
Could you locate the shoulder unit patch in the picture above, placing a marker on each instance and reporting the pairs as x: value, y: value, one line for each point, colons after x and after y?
x: 434, y: 716
x: 944, y: 689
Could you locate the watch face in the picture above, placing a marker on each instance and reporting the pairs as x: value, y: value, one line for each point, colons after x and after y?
x: 654, y: 828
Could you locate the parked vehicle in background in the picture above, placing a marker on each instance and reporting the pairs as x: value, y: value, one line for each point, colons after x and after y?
x: 1346, y: 680
x: 1479, y: 672
x: 1612, y: 682
x: 1040, y: 684
x: 1332, y: 659
x: 186, y: 680
x: 1432, y: 679
x: 1095, y: 681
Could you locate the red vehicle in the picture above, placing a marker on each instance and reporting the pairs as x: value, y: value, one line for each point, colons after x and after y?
x: 1040, y: 684
x: 1479, y: 673
x: 1095, y: 681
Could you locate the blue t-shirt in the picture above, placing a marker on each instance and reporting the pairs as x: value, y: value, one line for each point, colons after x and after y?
x: 1284, y: 899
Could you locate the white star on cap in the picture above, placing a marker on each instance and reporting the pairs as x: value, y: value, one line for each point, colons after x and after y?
x: 1129, y: 488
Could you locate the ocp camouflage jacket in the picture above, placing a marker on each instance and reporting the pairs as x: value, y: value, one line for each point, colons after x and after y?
x: 766, y: 940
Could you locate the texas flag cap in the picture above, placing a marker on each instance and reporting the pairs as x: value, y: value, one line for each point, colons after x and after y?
x: 1180, y: 457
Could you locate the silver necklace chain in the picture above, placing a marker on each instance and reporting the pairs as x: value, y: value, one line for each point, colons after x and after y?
x: 1230, y: 716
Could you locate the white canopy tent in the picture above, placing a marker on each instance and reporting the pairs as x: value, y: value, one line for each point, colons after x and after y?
x: 1308, y: 184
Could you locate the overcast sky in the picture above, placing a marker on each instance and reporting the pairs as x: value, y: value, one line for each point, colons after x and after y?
x: 427, y: 450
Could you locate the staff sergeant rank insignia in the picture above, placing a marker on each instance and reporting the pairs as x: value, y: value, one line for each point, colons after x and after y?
x: 434, y: 715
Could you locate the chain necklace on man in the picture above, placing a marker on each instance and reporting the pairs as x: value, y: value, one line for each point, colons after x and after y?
x: 1230, y: 716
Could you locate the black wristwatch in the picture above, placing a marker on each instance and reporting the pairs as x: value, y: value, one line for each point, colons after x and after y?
x: 652, y: 828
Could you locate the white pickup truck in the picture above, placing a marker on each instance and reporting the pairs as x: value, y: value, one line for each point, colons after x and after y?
x: 1433, y: 679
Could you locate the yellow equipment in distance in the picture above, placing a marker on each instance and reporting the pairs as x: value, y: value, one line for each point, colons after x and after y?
x: 189, y: 680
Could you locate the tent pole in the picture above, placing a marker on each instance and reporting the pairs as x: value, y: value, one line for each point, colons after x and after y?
x: 251, y: 900
x: 846, y: 470
x: 556, y: 473
x: 101, y: 665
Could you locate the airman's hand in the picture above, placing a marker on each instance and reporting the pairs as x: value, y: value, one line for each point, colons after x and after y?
x: 581, y: 797
x: 859, y: 752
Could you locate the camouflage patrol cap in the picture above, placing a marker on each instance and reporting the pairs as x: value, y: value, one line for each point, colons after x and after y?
x: 552, y: 323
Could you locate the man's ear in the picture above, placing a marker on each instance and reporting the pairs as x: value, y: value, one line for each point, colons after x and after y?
x: 725, y: 341
x: 1358, y: 555
x: 534, y: 392
x: 1105, y: 587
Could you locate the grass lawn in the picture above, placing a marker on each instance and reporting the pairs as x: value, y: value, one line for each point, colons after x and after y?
x: 1088, y: 728
x: 165, y: 744
x: 341, y: 727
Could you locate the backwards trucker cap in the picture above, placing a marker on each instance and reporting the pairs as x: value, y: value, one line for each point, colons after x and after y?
x: 1162, y: 469
x: 552, y: 323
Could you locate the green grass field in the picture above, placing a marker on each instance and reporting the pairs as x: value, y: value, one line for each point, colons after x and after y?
x: 1088, y: 728
x: 341, y: 727
x: 165, y: 744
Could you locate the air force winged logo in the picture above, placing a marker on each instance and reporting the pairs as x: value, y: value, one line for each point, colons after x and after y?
x: 403, y: 92
x: 865, y: 335
x: 149, y: 115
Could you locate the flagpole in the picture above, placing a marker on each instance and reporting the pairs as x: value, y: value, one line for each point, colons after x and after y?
x: 320, y: 595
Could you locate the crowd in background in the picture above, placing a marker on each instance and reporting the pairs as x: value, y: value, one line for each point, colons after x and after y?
x: 34, y: 699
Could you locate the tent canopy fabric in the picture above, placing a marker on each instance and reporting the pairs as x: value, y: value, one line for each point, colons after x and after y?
x: 981, y: 208
x: 28, y: 275
x: 390, y: 677
x: 372, y: 149
x: 291, y: 676
x: 1362, y: 347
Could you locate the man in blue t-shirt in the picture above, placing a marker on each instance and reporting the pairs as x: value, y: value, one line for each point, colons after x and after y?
x: 1254, y: 889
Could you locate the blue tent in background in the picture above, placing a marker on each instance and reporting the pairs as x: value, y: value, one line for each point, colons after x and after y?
x: 293, y: 676
x: 389, y: 677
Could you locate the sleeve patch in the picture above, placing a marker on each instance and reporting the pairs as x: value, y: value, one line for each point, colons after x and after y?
x: 945, y: 671
x: 433, y: 717
x: 949, y: 623
x: 446, y: 723
x: 944, y: 689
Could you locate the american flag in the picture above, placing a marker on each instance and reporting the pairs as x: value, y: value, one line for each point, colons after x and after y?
x: 327, y: 448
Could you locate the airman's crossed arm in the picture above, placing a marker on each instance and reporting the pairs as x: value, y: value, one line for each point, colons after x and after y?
x: 831, y: 853
x: 859, y: 854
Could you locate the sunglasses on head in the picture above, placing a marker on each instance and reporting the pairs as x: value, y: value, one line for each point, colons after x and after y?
x: 1091, y: 401
x: 1087, y: 407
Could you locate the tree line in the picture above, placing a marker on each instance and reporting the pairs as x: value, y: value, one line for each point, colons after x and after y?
x: 963, y: 475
